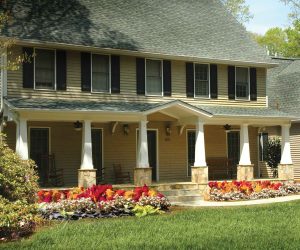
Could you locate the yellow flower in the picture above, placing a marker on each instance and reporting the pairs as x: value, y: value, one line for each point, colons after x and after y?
x: 128, y: 194
x: 152, y: 193
x: 109, y: 193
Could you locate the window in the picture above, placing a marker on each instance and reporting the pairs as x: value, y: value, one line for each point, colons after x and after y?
x: 44, y: 62
x: 201, y: 80
x: 263, y: 146
x: 242, y: 83
x: 154, y: 77
x: 100, y: 73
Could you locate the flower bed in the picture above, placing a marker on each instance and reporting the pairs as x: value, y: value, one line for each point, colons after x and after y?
x: 250, y: 190
x: 100, y: 201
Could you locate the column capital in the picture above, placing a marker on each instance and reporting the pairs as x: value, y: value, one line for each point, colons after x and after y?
x: 286, y: 125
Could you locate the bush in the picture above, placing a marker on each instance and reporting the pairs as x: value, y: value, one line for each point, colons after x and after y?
x: 18, y: 187
x: 274, y: 154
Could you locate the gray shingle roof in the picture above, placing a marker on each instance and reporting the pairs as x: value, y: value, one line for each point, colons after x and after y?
x: 283, y: 86
x: 74, y: 105
x: 192, y: 28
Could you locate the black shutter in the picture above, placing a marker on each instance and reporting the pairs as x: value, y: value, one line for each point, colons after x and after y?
x: 61, y: 70
x: 115, y: 74
x: 231, y: 82
x: 28, y: 68
x: 253, y: 84
x: 167, y: 78
x: 213, y: 81
x: 189, y: 79
x: 85, y: 71
x: 140, y: 76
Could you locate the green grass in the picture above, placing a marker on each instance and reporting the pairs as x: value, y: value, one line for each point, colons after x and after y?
x: 275, y: 226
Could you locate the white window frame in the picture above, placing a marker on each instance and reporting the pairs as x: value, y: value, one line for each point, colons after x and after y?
x: 162, y: 76
x: 242, y: 98
x: 34, y: 84
x: 109, y: 73
x: 208, y: 72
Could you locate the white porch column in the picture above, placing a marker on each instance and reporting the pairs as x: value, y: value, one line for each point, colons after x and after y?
x: 87, y: 154
x: 285, y: 168
x: 200, y: 158
x: 21, y: 139
x: 244, y: 146
x: 245, y: 170
x: 142, y: 157
x: 86, y: 173
x: 286, y: 157
x: 142, y: 172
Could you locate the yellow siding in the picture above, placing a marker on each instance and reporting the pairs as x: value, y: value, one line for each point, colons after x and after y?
x: 295, y: 148
x: 128, y: 84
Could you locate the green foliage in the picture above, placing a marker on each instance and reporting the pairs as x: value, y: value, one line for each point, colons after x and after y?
x: 295, y: 6
x: 141, y: 211
x: 239, y: 9
x: 274, y: 153
x: 18, y: 178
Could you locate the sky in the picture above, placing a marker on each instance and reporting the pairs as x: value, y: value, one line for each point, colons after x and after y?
x: 267, y: 14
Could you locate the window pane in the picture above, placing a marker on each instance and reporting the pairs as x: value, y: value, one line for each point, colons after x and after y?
x: 100, y: 74
x: 44, y: 68
x: 242, y: 84
x: 201, y: 80
x: 154, y: 77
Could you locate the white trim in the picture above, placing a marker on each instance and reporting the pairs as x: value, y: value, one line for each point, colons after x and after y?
x: 157, y: 148
x: 162, y: 76
x: 102, y: 146
x: 208, y: 77
x: 241, y: 98
x: 49, y: 137
x: 187, y: 150
x: 109, y: 73
x: 55, y: 83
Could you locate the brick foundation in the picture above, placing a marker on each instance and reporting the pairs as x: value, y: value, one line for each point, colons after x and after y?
x: 142, y: 176
x: 245, y: 172
x: 86, y: 177
x: 286, y: 172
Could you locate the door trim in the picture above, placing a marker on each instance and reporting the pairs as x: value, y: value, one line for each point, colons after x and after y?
x: 49, y: 138
x: 187, y: 149
x: 157, y: 149
x: 102, y: 146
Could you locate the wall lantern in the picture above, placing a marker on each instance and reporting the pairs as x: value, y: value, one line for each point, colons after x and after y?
x: 168, y: 130
x: 4, y: 121
x: 77, y: 125
x: 126, y: 129
x: 227, y: 127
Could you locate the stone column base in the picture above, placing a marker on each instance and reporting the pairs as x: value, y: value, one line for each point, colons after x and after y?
x: 245, y: 172
x: 86, y: 177
x: 200, y: 175
x: 286, y: 172
x: 142, y: 176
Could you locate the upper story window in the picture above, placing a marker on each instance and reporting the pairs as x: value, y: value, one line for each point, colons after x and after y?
x: 100, y: 73
x: 154, y: 82
x: 242, y: 83
x: 202, y: 80
x: 44, y: 62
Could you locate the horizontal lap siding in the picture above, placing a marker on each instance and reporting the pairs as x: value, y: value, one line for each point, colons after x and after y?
x: 128, y: 84
x: 295, y: 148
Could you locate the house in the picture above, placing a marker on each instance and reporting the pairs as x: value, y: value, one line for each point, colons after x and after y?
x: 283, y: 89
x: 168, y: 90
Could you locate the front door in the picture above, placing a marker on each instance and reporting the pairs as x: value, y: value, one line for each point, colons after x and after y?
x: 191, y: 138
x: 97, y: 152
x: 39, y: 147
x: 152, y: 152
x: 233, y: 150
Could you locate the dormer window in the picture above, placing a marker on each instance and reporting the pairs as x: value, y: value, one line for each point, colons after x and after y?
x: 242, y: 83
x: 44, y: 65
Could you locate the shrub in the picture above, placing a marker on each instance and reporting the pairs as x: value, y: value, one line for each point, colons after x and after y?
x: 274, y: 154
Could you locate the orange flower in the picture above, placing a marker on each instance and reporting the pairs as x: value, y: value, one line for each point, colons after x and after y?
x: 128, y: 194
x: 152, y: 193
x: 109, y: 193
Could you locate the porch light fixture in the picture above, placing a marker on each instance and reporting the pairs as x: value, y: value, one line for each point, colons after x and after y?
x: 77, y: 125
x: 126, y: 129
x: 4, y: 121
x: 227, y: 127
x: 168, y: 130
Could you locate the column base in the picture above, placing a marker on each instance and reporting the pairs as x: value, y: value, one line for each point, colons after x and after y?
x: 86, y: 177
x: 245, y: 172
x: 142, y: 176
x: 200, y: 175
x: 286, y: 172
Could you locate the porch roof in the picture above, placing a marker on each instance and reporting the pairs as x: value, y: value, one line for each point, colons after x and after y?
x: 44, y: 104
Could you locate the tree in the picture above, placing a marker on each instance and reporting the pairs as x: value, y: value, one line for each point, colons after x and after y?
x: 239, y: 9
x: 295, y: 4
x: 274, y: 154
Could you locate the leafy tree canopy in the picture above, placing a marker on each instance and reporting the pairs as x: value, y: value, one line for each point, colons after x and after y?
x: 239, y: 9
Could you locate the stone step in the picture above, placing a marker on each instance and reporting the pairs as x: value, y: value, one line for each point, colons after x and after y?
x: 185, y: 198
x: 181, y: 192
x: 168, y: 187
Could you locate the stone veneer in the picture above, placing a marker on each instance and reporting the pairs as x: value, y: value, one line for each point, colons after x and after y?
x: 200, y: 175
x: 245, y: 172
x: 142, y: 176
x: 286, y: 172
x: 86, y: 177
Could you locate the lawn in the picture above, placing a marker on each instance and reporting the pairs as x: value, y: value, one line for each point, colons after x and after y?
x: 275, y: 226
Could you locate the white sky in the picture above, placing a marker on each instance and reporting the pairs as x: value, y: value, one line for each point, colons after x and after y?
x: 267, y: 14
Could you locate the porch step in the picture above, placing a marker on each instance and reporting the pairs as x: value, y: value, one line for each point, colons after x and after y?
x: 162, y: 187
x: 184, y: 198
x: 181, y: 192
